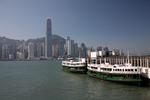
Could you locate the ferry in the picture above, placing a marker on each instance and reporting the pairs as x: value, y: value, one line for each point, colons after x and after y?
x: 125, y: 73
x: 79, y: 66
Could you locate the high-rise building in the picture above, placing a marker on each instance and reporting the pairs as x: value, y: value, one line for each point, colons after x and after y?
x: 68, y: 46
x: 89, y: 50
x: 76, y: 50
x: 30, y: 50
x: 20, y: 55
x: 72, y: 48
x: 83, y: 50
x: 39, y: 49
x: 4, y: 51
x: 106, y: 51
x: 61, y: 49
x: 55, y: 50
x: 0, y: 51
x: 48, y: 39
x: 99, y: 48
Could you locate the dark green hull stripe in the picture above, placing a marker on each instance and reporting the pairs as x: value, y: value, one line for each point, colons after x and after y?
x: 112, y: 77
x: 82, y: 70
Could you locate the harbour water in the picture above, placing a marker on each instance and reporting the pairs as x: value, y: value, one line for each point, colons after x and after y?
x: 45, y: 80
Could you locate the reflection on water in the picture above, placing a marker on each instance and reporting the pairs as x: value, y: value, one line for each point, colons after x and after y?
x: 45, y: 80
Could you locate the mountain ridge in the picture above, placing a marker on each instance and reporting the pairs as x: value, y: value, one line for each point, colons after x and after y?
x: 55, y: 40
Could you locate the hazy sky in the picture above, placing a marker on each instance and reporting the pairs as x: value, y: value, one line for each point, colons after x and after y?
x: 114, y: 23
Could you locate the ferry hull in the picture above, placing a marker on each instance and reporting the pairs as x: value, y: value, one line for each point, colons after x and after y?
x: 81, y: 70
x: 114, y: 77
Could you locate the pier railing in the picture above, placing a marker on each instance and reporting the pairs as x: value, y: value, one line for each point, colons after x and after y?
x: 136, y: 61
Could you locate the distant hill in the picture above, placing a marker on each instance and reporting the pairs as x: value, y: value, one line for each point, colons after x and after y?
x: 4, y: 40
x: 55, y: 40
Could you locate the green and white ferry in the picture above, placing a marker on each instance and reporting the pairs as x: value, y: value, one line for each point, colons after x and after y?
x: 125, y: 73
x: 79, y: 66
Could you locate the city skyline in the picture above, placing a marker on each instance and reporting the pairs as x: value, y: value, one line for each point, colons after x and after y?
x: 118, y: 24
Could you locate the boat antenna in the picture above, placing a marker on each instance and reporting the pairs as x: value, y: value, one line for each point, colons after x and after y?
x: 79, y: 57
x: 128, y: 56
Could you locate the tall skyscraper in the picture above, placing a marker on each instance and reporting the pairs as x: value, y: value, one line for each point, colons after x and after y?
x: 48, y: 39
x: 68, y: 46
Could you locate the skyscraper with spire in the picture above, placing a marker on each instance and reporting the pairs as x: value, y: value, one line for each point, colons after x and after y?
x: 48, y: 38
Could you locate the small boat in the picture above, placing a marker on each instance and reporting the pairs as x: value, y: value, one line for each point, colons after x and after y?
x: 79, y: 66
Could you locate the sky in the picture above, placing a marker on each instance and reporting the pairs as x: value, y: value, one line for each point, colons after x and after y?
x: 123, y: 24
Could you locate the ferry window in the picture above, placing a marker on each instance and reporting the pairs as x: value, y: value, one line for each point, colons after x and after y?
x: 122, y: 69
x: 125, y: 69
x: 132, y: 70
x: 114, y: 66
x: 94, y: 67
x: 135, y: 69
